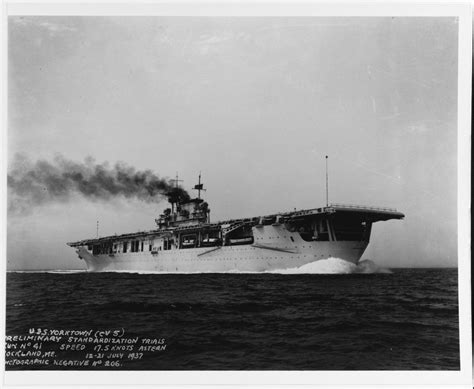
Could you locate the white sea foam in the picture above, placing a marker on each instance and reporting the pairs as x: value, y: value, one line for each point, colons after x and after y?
x: 324, y: 266
x: 367, y: 266
x: 232, y: 271
x: 334, y: 266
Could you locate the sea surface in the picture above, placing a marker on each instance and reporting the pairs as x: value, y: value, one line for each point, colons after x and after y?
x: 353, y: 319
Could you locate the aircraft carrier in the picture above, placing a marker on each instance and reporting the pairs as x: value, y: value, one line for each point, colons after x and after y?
x: 185, y: 241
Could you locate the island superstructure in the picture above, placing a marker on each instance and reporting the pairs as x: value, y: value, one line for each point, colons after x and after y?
x: 185, y: 240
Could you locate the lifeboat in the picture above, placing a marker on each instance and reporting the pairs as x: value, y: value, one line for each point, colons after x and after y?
x: 243, y: 240
x: 210, y: 242
x: 188, y: 243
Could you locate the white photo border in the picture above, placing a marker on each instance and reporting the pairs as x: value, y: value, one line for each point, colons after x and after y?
x: 276, y: 378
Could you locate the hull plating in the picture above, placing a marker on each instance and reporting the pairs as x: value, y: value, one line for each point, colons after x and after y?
x: 247, y: 258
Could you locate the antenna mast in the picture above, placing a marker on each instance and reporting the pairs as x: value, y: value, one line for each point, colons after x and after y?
x: 327, y: 183
x: 176, y: 182
x: 97, y: 229
x: 199, y: 187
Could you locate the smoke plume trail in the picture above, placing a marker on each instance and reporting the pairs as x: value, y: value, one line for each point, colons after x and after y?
x: 42, y: 182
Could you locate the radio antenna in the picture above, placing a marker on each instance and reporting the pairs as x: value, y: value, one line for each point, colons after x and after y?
x: 176, y: 180
x: 327, y: 183
x: 199, y: 187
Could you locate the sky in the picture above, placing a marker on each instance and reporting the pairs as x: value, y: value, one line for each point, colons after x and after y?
x: 254, y: 104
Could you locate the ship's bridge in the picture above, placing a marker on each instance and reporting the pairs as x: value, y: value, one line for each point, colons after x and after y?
x: 185, y: 212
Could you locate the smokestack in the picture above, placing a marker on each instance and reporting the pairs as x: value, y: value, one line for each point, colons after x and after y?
x: 42, y: 182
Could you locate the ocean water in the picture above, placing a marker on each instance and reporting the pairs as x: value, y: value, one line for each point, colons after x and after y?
x: 349, y: 318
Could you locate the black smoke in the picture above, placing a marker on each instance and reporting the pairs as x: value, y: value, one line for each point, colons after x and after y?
x: 32, y: 184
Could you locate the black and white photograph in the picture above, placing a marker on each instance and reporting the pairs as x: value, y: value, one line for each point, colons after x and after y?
x: 213, y: 192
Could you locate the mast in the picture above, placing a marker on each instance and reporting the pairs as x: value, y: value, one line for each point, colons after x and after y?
x: 327, y: 183
x: 176, y: 181
x: 199, y: 187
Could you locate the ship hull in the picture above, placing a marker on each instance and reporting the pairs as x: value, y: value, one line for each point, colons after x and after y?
x: 246, y: 258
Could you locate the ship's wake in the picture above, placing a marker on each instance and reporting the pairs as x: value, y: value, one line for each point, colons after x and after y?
x: 324, y: 266
x: 334, y: 266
